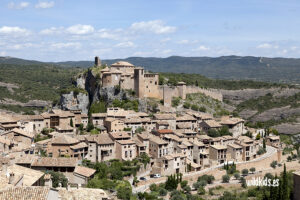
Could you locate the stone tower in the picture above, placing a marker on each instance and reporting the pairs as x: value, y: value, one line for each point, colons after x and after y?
x: 139, y: 82
x: 182, y: 89
x: 97, y: 61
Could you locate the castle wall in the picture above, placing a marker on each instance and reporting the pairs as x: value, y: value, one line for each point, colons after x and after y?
x: 127, y: 82
x: 208, y: 92
x: 139, y: 83
x: 151, y: 86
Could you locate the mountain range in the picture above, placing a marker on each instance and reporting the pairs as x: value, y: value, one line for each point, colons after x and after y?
x: 284, y: 70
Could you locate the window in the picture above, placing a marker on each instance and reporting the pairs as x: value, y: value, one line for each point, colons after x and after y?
x: 125, y: 154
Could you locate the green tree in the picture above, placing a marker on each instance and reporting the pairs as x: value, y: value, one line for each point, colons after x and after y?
x: 257, y: 137
x: 236, y: 175
x: 285, y: 189
x: 57, y: 178
x: 245, y: 172
x: 124, y: 190
x: 252, y: 169
x: 201, y: 191
x: 264, y: 144
x: 71, y: 122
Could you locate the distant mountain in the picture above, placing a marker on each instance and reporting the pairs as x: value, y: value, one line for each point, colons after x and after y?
x: 225, y: 67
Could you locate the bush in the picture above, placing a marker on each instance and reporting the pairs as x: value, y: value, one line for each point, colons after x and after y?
x: 186, y: 105
x: 183, y: 184
x: 153, y: 187
x: 273, y: 164
x: 195, y: 107
x: 196, y: 185
x: 187, y: 189
x: 57, y: 178
x: 236, y: 175
x: 252, y: 169
x: 162, y: 192
x: 225, y: 178
x: 201, y: 191
x: 261, y: 151
x: 245, y: 172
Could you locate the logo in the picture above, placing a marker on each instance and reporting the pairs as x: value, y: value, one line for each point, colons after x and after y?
x: 263, y: 182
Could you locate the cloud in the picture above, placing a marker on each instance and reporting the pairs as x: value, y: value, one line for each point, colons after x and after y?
x: 202, y: 48
x: 125, y: 44
x: 107, y: 34
x: 155, y: 26
x: 45, y: 4
x: 187, y: 42
x: 52, y: 31
x: 13, y: 30
x: 80, y: 29
x: 75, y: 45
x: 18, y: 6
x: 267, y: 46
x: 20, y: 46
x: 2, y: 53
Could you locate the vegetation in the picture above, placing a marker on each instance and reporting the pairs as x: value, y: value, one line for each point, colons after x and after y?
x: 126, y: 104
x: 38, y: 138
x: 58, y: 178
x: 203, y: 103
x: 98, y: 107
x: 217, y: 133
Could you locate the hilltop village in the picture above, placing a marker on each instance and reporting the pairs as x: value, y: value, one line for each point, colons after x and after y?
x: 70, y: 141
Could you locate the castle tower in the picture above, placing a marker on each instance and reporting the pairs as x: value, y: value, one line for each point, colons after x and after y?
x: 139, y: 82
x: 97, y: 61
x: 182, y: 89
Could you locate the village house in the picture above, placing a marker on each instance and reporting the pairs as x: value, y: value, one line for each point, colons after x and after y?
x: 171, y: 164
x: 126, y: 149
x: 55, y: 164
x: 144, y: 138
x: 186, y: 122
x: 169, y: 118
x: 32, y: 193
x: 273, y: 140
x: 217, y: 154
x: 5, y: 145
x: 250, y: 147
x: 122, y: 135
x: 58, y: 118
x: 235, y: 152
x: 7, y: 122
x: 157, y: 147
x: 62, y: 146
x: 200, y: 154
x: 100, y: 148
x: 81, y: 175
x: 114, y: 125
x: 235, y: 125
x: 173, y: 141
x: 80, y: 118
x: 209, y: 124
x: 98, y: 119
x: 31, y: 123
x: 19, y: 137
x: 200, y: 117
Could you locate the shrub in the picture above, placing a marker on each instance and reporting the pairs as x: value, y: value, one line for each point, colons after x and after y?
x: 225, y: 178
x: 273, y: 164
x: 187, y: 189
x: 245, y: 172
x: 252, y: 169
x: 195, y: 107
x: 183, y: 184
x: 153, y: 187
x: 236, y: 175
x: 201, y: 191
x: 162, y: 192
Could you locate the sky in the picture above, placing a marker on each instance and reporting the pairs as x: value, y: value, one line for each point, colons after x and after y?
x: 62, y: 30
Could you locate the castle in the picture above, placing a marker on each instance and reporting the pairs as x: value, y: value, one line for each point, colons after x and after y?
x: 146, y: 85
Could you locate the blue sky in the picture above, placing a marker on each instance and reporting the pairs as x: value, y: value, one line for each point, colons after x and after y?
x: 61, y: 30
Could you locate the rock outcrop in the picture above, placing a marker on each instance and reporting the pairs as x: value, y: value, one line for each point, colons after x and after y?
x: 75, y: 102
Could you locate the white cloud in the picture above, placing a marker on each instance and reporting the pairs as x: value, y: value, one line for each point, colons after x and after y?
x: 166, y: 51
x: 267, y: 46
x: 165, y: 39
x: 183, y: 42
x: 52, y: 31
x: 155, y: 26
x: 125, y: 44
x: 20, y: 46
x: 18, y: 6
x: 202, y: 48
x: 80, y: 29
x: 75, y: 45
x: 107, y: 34
x: 2, y: 53
x: 45, y: 4
x: 13, y: 30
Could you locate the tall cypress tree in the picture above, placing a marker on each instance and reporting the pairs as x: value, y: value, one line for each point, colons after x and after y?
x: 285, y: 189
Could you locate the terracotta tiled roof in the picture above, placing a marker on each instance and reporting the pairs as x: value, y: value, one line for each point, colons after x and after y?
x: 99, y: 114
x: 64, y: 139
x: 84, y: 171
x: 30, y: 176
x: 213, y: 124
x: 120, y: 135
x: 165, y: 131
x: 126, y: 142
x: 79, y: 145
x: 218, y: 147
x: 22, y: 132
x: 103, y: 138
x: 22, y: 193
x: 55, y: 162
x: 164, y: 117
